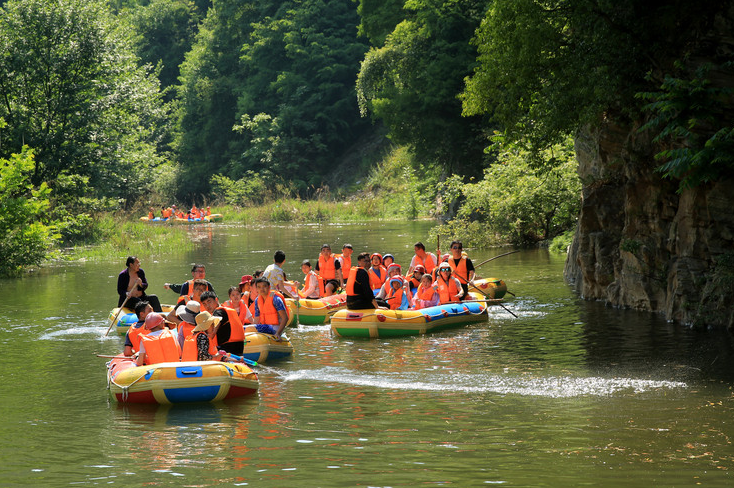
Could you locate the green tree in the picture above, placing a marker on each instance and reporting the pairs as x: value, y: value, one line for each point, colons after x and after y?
x: 71, y: 87
x: 412, y: 83
x: 24, y: 238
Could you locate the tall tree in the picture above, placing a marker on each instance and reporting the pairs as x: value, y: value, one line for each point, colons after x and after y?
x: 71, y: 88
x: 412, y: 82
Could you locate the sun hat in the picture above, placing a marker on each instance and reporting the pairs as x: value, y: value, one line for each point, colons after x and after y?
x: 153, y: 320
x: 246, y: 279
x: 397, y: 278
x: 443, y: 266
x: 393, y: 266
x: 204, y: 320
x: 188, y: 312
x: 388, y: 256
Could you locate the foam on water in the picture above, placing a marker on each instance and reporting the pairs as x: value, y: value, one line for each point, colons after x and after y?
x: 548, y: 386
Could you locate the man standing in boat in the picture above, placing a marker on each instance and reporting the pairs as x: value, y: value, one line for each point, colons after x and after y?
x: 461, y: 266
x: 359, y: 292
x: 275, y: 274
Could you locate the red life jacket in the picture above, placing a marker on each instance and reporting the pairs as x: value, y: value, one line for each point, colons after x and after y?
x: 447, y: 291
x: 191, y: 352
x: 162, y: 348
x: 268, y: 313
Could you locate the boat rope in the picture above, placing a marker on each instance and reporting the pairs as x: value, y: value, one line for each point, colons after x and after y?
x: 125, y: 388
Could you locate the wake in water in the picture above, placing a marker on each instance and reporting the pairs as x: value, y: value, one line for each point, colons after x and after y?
x: 552, y: 386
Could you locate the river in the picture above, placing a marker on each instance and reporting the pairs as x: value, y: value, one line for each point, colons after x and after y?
x: 570, y: 393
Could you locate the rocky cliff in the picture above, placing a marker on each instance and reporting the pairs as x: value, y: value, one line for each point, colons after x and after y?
x: 642, y: 244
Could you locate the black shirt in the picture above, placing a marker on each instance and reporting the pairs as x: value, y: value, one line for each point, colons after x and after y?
x: 363, y: 296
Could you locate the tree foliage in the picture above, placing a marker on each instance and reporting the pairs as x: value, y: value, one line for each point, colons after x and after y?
x: 412, y: 82
x: 24, y: 238
x: 71, y: 88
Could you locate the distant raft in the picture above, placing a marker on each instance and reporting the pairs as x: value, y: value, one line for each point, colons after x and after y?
x: 178, y: 382
x: 316, y: 311
x: 374, y: 323
x: 204, y: 220
x: 264, y: 347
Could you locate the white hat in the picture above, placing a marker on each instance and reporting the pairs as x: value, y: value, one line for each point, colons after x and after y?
x: 188, y: 312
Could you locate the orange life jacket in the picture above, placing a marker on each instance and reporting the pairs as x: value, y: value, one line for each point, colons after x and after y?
x: 413, y: 281
x: 351, y: 280
x: 242, y: 311
x: 425, y: 292
x: 135, y: 334
x: 346, y: 262
x: 151, y: 215
x: 377, y: 281
x: 327, y: 269
x: 188, y: 329
x: 191, y: 352
x: 395, y: 297
x: 447, y: 291
x: 162, y: 348
x: 309, y: 281
x: 268, y: 313
x: 428, y: 263
x: 236, y: 330
x: 460, y: 270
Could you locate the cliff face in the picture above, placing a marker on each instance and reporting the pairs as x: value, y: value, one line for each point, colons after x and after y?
x: 642, y: 245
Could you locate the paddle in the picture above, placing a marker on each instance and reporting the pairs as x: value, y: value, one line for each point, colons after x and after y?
x: 243, y: 359
x: 495, y: 257
x: 114, y: 319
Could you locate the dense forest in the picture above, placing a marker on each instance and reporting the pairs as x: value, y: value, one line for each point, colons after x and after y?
x: 121, y: 104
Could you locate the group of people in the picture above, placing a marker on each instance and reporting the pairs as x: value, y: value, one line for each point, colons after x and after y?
x: 173, y: 212
x: 201, y: 328
x: 377, y: 280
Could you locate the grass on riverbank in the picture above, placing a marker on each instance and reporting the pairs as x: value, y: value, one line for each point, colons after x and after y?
x: 120, y: 238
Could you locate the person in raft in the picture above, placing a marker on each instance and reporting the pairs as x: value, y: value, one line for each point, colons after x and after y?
x: 345, y: 259
x: 378, y: 273
x: 238, y: 303
x: 310, y: 281
x: 399, y: 297
x: 159, y: 345
x: 392, y: 271
x: 422, y: 258
x: 387, y: 260
x: 461, y: 266
x: 132, y: 336
x: 415, y: 280
x: 328, y: 268
x: 359, y: 291
x: 186, y: 319
x: 275, y: 274
x: 131, y: 285
x: 198, y: 272
x: 230, y: 332
x: 200, y: 345
x: 270, y: 311
x: 449, y: 288
x: 425, y: 295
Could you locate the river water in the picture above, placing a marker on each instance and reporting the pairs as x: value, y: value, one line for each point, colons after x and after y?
x: 570, y: 393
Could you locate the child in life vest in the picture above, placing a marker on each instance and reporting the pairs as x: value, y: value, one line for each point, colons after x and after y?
x: 399, y: 297
x: 310, y: 281
x: 426, y: 295
x: 238, y: 304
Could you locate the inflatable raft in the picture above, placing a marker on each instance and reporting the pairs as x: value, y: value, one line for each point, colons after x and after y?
x: 390, y: 323
x: 262, y: 347
x: 489, y: 287
x: 180, y: 382
x: 127, y: 318
x: 203, y: 220
x: 318, y: 311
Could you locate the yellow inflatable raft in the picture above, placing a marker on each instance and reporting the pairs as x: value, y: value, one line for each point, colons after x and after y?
x: 127, y: 318
x: 489, y: 287
x: 262, y: 347
x: 390, y: 323
x: 317, y: 311
x: 178, y: 382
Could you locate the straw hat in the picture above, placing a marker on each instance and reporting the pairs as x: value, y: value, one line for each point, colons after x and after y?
x: 204, y: 320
